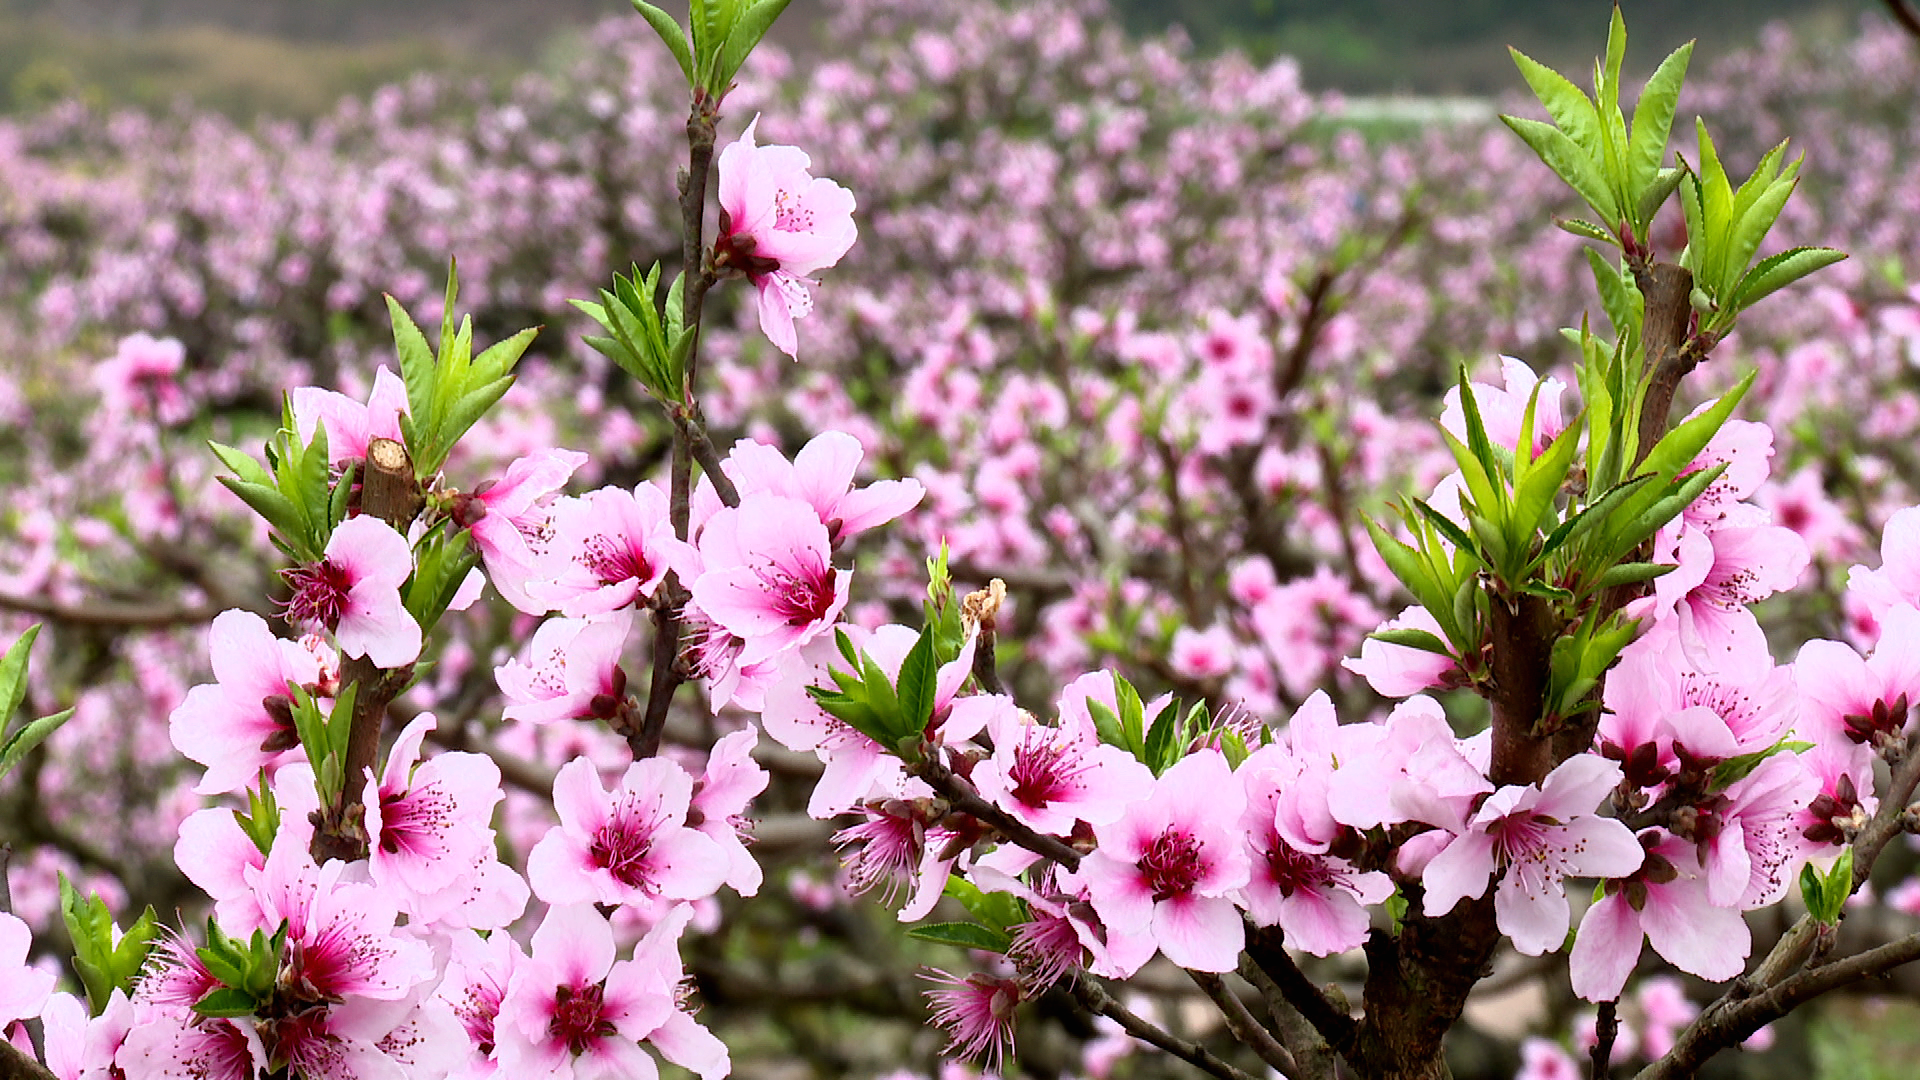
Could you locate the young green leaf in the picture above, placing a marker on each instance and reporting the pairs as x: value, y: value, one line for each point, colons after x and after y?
x: 671, y: 34
x: 964, y: 935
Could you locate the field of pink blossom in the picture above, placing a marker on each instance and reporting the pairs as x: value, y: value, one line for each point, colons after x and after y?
x: 1154, y: 332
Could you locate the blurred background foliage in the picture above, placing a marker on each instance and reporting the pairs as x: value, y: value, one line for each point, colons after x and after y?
x: 295, y: 58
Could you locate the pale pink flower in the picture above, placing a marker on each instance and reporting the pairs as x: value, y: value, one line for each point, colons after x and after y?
x: 571, y: 1010
x: 780, y: 224
x: 477, y: 973
x: 354, y: 591
x: 1411, y: 768
x: 630, y: 845
x: 143, y: 378
x: 429, y: 823
x: 341, y: 937
x: 215, y: 853
x: 1050, y: 777
x: 1719, y: 573
x: 1398, y: 671
x: 720, y: 800
x: 898, y: 845
x: 1502, y: 410
x: 1163, y: 873
x: 1544, y: 1059
x: 572, y: 671
x: 1897, y: 581
x: 1202, y: 654
x: 857, y: 768
x: 243, y: 721
x: 1863, y: 702
x: 821, y: 475
x: 24, y: 989
x: 512, y: 521
x: 1665, y: 901
x: 1755, y: 846
x: 1538, y: 837
x: 1318, y: 899
x: 173, y: 1043
x: 351, y: 425
x: 768, y: 575
x: 610, y: 548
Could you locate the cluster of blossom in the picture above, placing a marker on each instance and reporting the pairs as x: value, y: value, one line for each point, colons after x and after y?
x: 1094, y: 240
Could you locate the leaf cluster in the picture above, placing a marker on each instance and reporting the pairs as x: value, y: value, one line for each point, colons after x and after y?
x: 718, y: 38
x: 105, y: 959
x: 16, y: 743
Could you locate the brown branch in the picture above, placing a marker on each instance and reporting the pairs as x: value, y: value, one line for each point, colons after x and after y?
x: 1606, y: 1029
x: 1266, y: 948
x: 1734, y: 1022
x: 1904, y: 14
x: 15, y: 1065
x: 1303, y: 1040
x: 1094, y: 998
x: 1243, y: 1026
x: 109, y: 615
x: 1667, y: 289
x: 961, y: 798
x: 690, y: 424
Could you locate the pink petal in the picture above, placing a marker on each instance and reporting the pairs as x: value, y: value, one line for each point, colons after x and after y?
x: 1199, y: 932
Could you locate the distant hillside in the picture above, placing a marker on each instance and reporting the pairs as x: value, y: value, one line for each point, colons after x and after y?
x: 297, y: 57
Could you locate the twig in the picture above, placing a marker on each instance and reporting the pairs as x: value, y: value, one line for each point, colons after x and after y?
x: 1904, y: 14
x: 1267, y: 949
x: 1249, y: 1031
x: 1606, y: 1029
x: 689, y: 423
x: 1095, y: 999
x: 963, y: 799
x: 112, y: 616
x: 1315, y: 1057
x: 1733, y: 1022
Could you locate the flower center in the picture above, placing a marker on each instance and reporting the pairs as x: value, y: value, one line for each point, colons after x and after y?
x: 613, y: 560
x: 1042, y: 770
x: 803, y: 593
x: 319, y: 593
x: 790, y: 214
x: 576, y: 1017
x: 1171, y: 864
x: 622, y: 844
x: 1295, y: 870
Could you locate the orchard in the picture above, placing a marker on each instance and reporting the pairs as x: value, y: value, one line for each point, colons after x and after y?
x: 1006, y: 550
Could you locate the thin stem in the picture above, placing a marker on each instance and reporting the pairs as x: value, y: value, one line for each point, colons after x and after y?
x: 1266, y: 947
x: 690, y: 423
x: 961, y: 798
x: 1249, y: 1031
x: 1094, y: 998
x: 1606, y: 1029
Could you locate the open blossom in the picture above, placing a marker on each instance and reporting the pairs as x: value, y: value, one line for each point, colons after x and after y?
x: 1163, y: 873
x: 610, y: 547
x: 511, y: 521
x: 821, y: 475
x: 630, y: 845
x: 768, y: 576
x: 351, y: 425
x: 429, y: 822
x: 977, y: 1012
x: 1538, y: 837
x: 720, y: 799
x: 1665, y: 902
x: 1049, y: 777
x: 571, y: 1010
x: 23, y: 989
x: 244, y: 720
x: 143, y: 377
x: 780, y: 224
x: 354, y: 591
x: 572, y: 670
x: 1317, y: 898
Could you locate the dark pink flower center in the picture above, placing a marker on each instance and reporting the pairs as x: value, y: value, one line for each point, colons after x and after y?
x: 621, y: 847
x: 415, y: 821
x: 577, y: 1019
x: 1293, y: 871
x: 801, y: 592
x: 1172, y: 865
x: 1043, y: 771
x: 319, y: 593
x: 614, y: 560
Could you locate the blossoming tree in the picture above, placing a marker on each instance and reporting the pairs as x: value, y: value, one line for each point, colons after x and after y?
x: 1588, y: 578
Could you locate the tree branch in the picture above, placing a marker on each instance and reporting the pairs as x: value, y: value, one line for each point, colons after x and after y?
x: 1266, y: 948
x: 1904, y: 14
x: 1242, y: 1024
x: 961, y: 798
x: 1095, y: 999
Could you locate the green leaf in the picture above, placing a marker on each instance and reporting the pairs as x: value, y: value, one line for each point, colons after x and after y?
x: 1618, y: 296
x: 746, y: 34
x: 244, y: 467
x: 13, y: 674
x: 1652, y: 125
x: 276, y: 510
x: 1106, y: 724
x: 1735, y: 769
x: 1586, y: 229
x: 1776, y: 272
x: 225, y: 1001
x: 1161, y: 749
x: 1534, y: 493
x: 1678, y: 447
x: 670, y: 33
x: 418, y: 368
x: 919, y: 683
x: 1632, y: 574
x: 1412, y: 638
x: 1571, y: 109
x: 963, y: 935
x: 21, y: 743
x: 1569, y: 162
x: 1655, y: 195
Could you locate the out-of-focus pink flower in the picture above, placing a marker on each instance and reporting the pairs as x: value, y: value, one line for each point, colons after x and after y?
x: 1544, y: 1059
x: 780, y: 224
x: 143, y: 378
